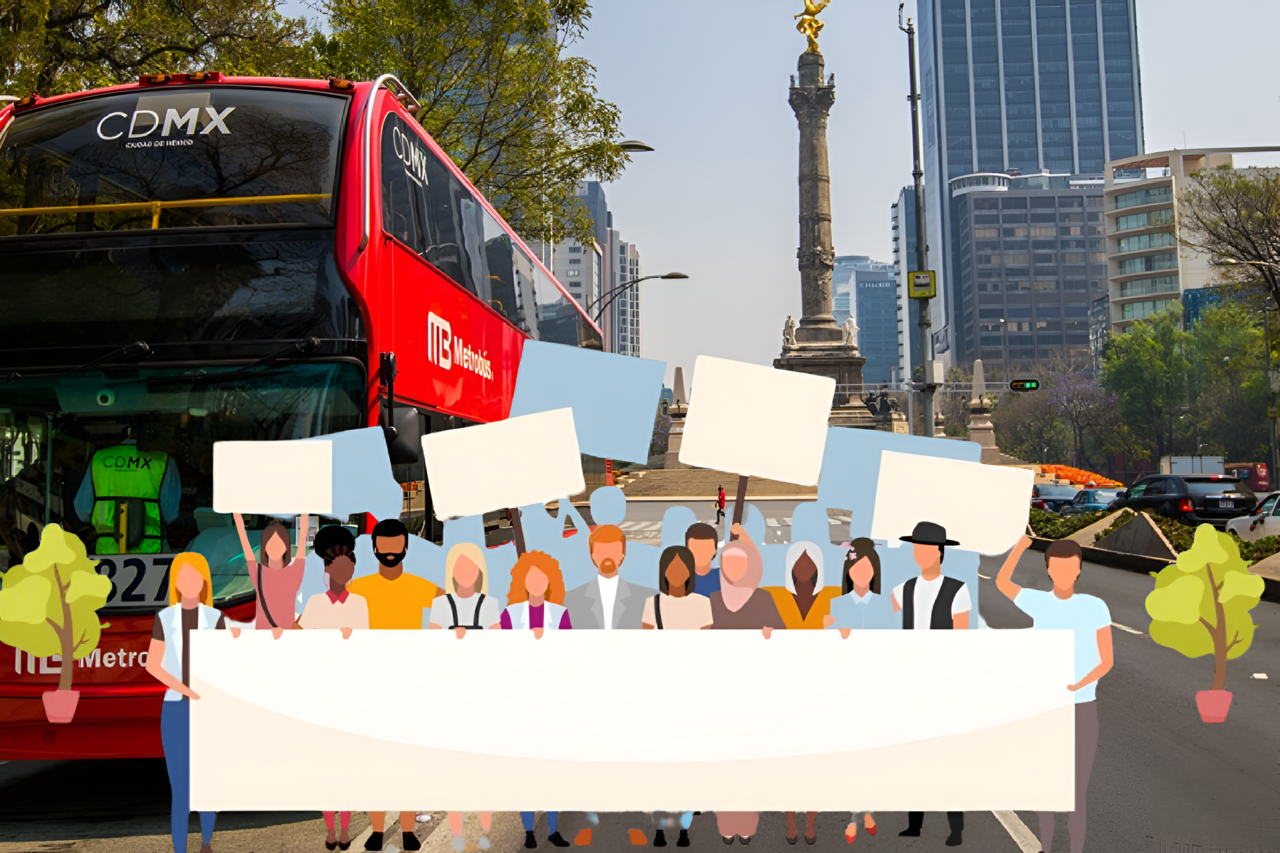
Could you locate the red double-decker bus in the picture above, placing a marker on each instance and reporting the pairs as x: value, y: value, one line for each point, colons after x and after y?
x: 197, y: 258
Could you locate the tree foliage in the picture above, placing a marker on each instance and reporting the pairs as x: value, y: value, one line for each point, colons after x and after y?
x: 1200, y: 604
x: 57, y: 46
x: 49, y: 603
x: 1234, y: 216
x: 522, y: 119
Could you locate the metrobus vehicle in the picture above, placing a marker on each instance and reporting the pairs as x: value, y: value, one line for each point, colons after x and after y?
x: 196, y: 258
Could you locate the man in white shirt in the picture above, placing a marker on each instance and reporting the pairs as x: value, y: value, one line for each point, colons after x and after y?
x: 607, y: 601
x: 932, y: 602
x: 1090, y: 620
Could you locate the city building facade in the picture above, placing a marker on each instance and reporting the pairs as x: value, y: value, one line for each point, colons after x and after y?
x: 902, y: 225
x: 1149, y: 270
x: 1018, y: 88
x: 867, y: 291
x: 624, y: 311
x: 1030, y: 262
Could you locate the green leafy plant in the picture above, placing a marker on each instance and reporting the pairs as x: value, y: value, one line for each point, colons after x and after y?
x: 1201, y: 603
x: 1047, y: 525
x: 49, y: 603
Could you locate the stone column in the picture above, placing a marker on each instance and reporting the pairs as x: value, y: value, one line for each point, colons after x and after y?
x: 811, y: 101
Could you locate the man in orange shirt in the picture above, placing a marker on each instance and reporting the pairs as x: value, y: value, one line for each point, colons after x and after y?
x: 396, y: 601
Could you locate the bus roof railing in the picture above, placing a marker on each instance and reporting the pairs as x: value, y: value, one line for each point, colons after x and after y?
x: 366, y: 165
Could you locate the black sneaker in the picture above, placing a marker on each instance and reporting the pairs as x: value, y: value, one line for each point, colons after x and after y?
x: 530, y: 843
x: 683, y: 841
x: 557, y: 840
x: 411, y: 841
x: 910, y: 832
x: 659, y: 839
x: 955, y: 839
x: 373, y: 842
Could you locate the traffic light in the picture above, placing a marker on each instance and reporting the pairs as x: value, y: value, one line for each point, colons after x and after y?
x: 1024, y: 385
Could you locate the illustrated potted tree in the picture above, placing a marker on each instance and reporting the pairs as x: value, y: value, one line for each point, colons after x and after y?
x: 48, y: 606
x: 1201, y: 605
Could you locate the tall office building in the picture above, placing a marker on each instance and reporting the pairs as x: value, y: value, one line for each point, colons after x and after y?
x: 867, y: 290
x: 624, y: 311
x: 1018, y: 88
x: 902, y: 217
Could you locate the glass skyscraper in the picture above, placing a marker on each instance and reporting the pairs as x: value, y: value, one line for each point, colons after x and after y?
x: 1020, y: 87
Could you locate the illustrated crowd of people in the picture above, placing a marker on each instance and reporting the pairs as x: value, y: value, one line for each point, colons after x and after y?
x: 689, y: 592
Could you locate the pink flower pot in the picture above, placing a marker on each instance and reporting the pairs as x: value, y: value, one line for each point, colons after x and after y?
x: 1213, y: 705
x: 60, y: 705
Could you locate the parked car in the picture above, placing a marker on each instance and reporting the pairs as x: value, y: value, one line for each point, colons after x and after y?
x: 1090, y: 500
x: 1192, y: 499
x: 1051, y: 498
x: 1261, y: 522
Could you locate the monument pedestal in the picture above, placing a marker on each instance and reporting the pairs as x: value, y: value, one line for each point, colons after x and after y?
x: 981, y: 430
x: 837, y: 361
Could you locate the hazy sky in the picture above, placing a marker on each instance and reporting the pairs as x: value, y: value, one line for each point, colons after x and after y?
x: 705, y: 83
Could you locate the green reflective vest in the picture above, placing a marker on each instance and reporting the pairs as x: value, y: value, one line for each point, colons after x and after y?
x: 126, y: 500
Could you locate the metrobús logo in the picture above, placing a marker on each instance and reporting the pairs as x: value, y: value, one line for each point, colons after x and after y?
x: 444, y: 349
x: 143, y: 123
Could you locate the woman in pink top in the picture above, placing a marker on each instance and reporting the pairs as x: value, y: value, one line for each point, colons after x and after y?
x: 274, y: 578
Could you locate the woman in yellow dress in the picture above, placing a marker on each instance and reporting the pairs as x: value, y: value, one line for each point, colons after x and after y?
x: 804, y: 604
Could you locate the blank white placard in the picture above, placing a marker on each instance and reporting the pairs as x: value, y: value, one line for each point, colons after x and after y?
x: 983, y: 507
x: 757, y: 421
x: 520, y: 461
x: 273, y: 477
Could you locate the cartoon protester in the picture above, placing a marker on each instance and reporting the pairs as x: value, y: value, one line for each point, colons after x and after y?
x: 932, y: 602
x: 275, y: 577
x: 1089, y: 619
x: 741, y: 604
x: 466, y: 602
x: 341, y: 609
x: 466, y: 605
x: 169, y: 662
x: 861, y: 607
x: 396, y: 601
x: 676, y: 606
x: 607, y: 601
x: 702, y: 541
x: 803, y: 604
x: 719, y: 504
x: 537, y: 596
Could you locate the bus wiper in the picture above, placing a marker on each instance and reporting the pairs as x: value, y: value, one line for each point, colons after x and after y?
x: 138, y: 348
x: 306, y: 346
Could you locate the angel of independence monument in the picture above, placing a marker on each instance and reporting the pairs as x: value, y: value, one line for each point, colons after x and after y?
x: 818, y: 345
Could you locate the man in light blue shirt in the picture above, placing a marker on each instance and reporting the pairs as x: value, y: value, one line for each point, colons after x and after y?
x: 1088, y: 617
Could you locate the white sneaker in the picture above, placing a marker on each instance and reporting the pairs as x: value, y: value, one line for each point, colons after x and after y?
x: 422, y: 817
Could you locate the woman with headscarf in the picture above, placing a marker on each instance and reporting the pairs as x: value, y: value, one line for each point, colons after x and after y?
x: 803, y: 605
x: 741, y: 604
x: 861, y: 607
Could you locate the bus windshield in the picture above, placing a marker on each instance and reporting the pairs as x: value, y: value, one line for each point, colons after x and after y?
x: 171, y: 158
x: 166, y: 421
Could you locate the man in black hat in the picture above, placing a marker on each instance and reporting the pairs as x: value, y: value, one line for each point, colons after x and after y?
x: 934, y: 602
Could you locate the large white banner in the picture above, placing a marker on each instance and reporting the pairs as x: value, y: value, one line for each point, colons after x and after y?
x: 633, y: 720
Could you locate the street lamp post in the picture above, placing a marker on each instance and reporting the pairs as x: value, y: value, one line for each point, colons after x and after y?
x: 614, y: 292
x: 922, y: 246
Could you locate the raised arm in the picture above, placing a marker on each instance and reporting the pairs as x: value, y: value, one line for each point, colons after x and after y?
x: 302, y: 536
x: 1004, y: 580
x: 244, y: 539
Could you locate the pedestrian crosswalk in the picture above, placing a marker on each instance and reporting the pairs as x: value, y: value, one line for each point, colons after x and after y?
x: 778, y: 528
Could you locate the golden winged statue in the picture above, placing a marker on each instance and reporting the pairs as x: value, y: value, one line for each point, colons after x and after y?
x: 809, y: 24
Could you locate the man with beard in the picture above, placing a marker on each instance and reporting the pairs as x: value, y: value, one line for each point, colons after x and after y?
x: 607, y: 601
x: 396, y: 601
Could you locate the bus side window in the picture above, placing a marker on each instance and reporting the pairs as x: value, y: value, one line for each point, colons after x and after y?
x: 445, y: 241
x: 399, y: 218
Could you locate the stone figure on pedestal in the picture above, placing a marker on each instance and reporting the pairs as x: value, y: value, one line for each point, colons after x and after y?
x: 789, y: 334
x: 850, y: 330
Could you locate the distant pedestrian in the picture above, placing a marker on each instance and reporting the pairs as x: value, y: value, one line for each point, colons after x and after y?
x: 720, y: 505
x: 1089, y: 619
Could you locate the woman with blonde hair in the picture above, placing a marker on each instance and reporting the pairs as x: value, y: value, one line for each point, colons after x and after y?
x: 466, y: 602
x: 466, y: 605
x: 537, y: 603
x: 169, y: 662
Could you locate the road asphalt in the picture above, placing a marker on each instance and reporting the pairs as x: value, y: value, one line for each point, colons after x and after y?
x: 1163, y: 781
